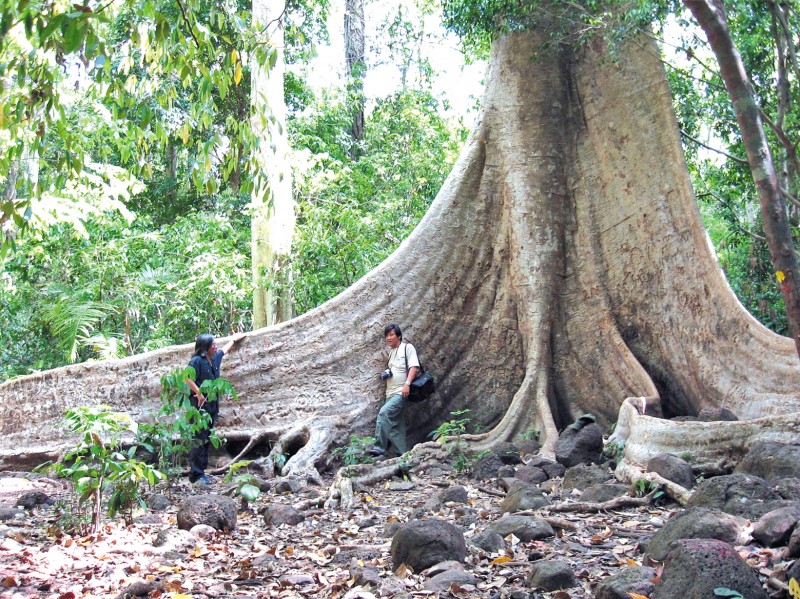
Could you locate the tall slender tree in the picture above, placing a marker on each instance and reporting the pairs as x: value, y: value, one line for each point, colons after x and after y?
x: 710, y: 15
x: 273, y: 217
x: 355, y: 67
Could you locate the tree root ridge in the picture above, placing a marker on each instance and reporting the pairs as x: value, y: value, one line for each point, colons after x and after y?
x: 349, y: 478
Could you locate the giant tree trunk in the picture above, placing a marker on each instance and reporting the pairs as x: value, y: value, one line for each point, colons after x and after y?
x: 562, y: 268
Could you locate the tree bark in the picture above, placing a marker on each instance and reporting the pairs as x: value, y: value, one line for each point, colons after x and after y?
x: 273, y: 218
x: 562, y: 268
x: 354, y: 27
x: 710, y: 15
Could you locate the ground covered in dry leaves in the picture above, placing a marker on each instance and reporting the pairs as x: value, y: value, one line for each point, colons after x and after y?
x: 39, y: 557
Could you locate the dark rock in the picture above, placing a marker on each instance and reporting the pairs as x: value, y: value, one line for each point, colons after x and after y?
x: 215, y: 510
x: 774, y: 528
x: 695, y: 523
x: 523, y: 497
x: 367, y: 521
x: 262, y: 483
x: 175, y: 539
x: 716, y: 415
x: 636, y: 580
x: 441, y: 582
x: 364, y: 575
x: 442, y: 567
x: 158, y: 502
x: 465, y: 515
x: 551, y: 575
x: 486, y: 467
x: 737, y: 494
x: 695, y: 567
x: 673, y: 469
x: 507, y: 452
x: 31, y: 499
x: 507, y: 471
x: 402, y: 486
x: 454, y: 493
x: 788, y: 488
x: 529, y: 446
x: 391, y: 528
x: 771, y: 461
x: 582, y: 446
x: 525, y: 528
x: 794, y: 571
x: 393, y: 587
x: 531, y: 474
x: 488, y: 540
x: 424, y: 543
x: 9, y: 513
x: 583, y: 476
x: 554, y: 470
x: 604, y: 492
x: 793, y: 547
x: 276, y: 514
x: 289, y: 484
x: 140, y: 588
x: 540, y: 461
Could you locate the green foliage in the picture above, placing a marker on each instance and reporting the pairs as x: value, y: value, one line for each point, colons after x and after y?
x: 724, y: 185
x: 124, y: 288
x: 614, y: 449
x: 96, y: 464
x: 353, y: 213
x: 532, y: 434
x: 642, y: 487
x: 450, y: 433
x: 175, y: 431
x: 356, y: 452
x: 478, y: 23
x: 246, y: 484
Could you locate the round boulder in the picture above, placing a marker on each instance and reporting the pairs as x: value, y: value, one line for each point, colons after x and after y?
x: 216, y: 511
x: 421, y: 544
x: 695, y: 567
x: 673, y: 469
x: 695, y: 523
x: 637, y: 581
x: 771, y: 460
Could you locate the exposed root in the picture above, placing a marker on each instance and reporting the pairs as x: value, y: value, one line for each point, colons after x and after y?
x: 253, y: 442
x: 714, y: 446
x: 629, y: 473
x: 306, y: 446
x: 349, y: 478
x: 603, y: 506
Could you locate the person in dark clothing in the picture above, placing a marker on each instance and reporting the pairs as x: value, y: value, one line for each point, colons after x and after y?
x: 206, y: 361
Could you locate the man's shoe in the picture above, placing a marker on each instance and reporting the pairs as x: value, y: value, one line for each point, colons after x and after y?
x: 204, y: 480
x: 375, y: 450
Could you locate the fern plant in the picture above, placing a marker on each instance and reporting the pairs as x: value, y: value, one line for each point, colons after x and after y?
x: 72, y: 321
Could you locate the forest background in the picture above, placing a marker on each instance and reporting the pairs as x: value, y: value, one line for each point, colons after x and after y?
x: 134, y: 231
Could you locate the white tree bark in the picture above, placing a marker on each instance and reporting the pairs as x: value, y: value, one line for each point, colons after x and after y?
x: 273, y: 217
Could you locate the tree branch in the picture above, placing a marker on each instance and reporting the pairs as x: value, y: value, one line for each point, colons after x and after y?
x: 188, y: 24
x: 718, y: 151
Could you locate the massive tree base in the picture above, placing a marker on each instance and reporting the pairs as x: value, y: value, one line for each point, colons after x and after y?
x: 562, y: 268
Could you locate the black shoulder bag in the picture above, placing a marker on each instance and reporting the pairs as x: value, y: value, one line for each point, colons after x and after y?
x: 422, y: 387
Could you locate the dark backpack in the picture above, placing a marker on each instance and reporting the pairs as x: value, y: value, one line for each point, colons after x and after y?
x: 422, y: 387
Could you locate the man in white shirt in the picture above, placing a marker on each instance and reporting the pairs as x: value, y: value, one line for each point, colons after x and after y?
x: 390, y: 429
